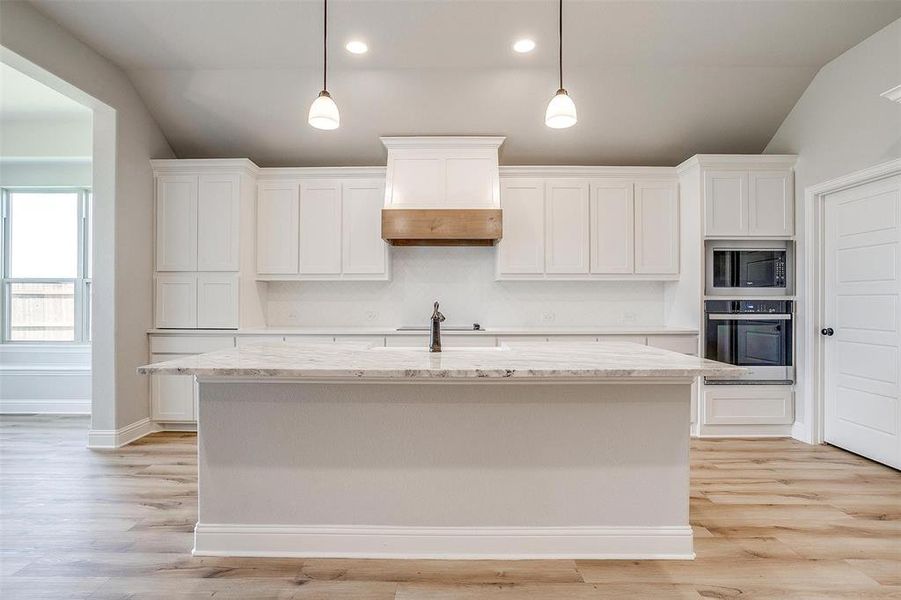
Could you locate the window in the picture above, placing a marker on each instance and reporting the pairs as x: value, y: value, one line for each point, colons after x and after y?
x: 46, y: 265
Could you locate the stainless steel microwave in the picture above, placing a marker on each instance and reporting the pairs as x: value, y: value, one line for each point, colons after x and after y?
x: 749, y: 268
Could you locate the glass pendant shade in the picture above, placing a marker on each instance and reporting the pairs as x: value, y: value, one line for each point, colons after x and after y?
x: 561, y: 111
x: 324, y: 112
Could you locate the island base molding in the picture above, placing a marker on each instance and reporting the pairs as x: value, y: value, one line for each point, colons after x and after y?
x: 447, y: 543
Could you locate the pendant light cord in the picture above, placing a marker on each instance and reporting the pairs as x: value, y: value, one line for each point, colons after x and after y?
x: 325, y: 45
x: 560, y: 39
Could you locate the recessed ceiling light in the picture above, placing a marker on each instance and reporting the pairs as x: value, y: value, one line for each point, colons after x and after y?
x: 524, y: 45
x: 357, y: 47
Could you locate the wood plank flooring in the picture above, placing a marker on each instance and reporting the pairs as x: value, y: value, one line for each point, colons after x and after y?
x: 774, y: 519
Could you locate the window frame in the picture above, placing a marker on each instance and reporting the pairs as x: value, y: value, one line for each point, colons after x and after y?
x: 82, y: 282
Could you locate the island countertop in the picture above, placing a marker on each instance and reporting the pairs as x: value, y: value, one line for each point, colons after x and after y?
x: 357, y: 361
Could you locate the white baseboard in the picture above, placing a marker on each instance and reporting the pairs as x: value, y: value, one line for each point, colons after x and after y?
x: 502, y: 543
x: 108, y: 439
x: 61, y: 406
x: 801, y: 432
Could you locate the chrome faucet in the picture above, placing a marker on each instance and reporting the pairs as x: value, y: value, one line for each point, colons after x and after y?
x: 435, y: 330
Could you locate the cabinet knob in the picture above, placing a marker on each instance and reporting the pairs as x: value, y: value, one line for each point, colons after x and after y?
x: 827, y: 331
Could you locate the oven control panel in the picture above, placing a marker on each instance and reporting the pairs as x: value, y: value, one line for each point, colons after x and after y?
x: 748, y: 306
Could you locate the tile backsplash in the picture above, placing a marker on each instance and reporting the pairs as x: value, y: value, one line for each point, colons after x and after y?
x: 462, y: 279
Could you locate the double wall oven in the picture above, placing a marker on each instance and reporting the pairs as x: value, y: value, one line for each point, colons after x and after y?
x: 744, y: 322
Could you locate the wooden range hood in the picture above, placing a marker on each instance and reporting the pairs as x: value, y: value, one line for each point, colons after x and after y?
x: 442, y: 191
x: 442, y: 226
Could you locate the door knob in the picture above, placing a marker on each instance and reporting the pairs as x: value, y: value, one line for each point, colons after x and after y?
x: 827, y: 331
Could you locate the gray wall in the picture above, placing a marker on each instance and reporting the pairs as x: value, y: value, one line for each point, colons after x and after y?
x: 126, y: 137
x: 841, y: 125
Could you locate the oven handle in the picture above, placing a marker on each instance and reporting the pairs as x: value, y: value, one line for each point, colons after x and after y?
x: 749, y: 317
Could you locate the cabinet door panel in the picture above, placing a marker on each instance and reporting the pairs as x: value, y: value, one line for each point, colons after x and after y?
x: 771, y: 204
x: 567, y: 227
x: 217, y: 301
x: 656, y: 228
x: 612, y: 222
x: 176, y: 223
x: 320, y: 228
x: 277, y: 207
x: 217, y: 223
x: 726, y: 203
x: 521, y: 250
x: 171, y: 396
x: 364, y: 250
x: 175, y: 302
x: 686, y: 344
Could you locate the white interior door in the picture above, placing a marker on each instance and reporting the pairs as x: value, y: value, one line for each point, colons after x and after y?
x: 862, y: 326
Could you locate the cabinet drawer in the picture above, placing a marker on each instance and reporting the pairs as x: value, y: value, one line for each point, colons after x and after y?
x: 686, y: 344
x: 572, y: 339
x: 748, y: 405
x: 189, y: 344
x: 634, y: 339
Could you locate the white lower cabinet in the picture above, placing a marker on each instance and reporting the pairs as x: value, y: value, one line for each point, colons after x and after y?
x: 309, y: 339
x: 407, y: 341
x: 172, y: 397
x: 748, y: 405
x: 686, y: 344
x: 249, y: 340
x: 632, y: 339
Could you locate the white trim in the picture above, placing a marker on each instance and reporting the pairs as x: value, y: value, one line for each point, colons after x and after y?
x: 110, y: 439
x: 294, y: 175
x: 424, y: 142
x: 205, y: 165
x: 662, y: 173
x: 745, y: 161
x: 473, y: 543
x: 811, y: 430
x: 60, y: 406
x: 893, y: 94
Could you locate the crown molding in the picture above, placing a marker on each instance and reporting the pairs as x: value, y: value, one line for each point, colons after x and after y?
x: 195, y: 165
x: 745, y: 161
x: 430, y: 142
x: 508, y: 172
x: 282, y: 173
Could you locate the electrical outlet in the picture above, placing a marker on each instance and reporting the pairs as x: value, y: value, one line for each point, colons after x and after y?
x: 548, y: 317
x: 371, y: 315
x: 629, y: 317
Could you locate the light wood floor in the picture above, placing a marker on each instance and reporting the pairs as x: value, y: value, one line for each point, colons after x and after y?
x: 774, y: 519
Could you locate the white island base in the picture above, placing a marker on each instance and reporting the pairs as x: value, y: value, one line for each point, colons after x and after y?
x: 413, y: 468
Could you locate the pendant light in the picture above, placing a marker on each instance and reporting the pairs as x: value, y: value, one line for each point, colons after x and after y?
x: 561, y: 110
x: 324, y: 111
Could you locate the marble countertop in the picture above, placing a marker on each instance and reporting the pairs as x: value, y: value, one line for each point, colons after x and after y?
x: 357, y: 361
x: 488, y: 331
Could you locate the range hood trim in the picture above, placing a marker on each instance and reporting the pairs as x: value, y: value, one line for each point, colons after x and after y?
x: 442, y: 226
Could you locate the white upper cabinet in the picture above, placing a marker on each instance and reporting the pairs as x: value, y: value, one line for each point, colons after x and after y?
x: 176, y: 223
x: 726, y: 202
x: 612, y: 217
x: 656, y: 228
x: 748, y: 203
x: 277, y: 229
x: 197, y: 222
x: 364, y: 252
x: 589, y: 228
x: 521, y: 250
x: 320, y: 227
x: 218, y: 206
x: 567, y: 227
x: 771, y: 207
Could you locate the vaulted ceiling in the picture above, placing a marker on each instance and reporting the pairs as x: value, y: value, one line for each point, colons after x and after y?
x: 654, y: 81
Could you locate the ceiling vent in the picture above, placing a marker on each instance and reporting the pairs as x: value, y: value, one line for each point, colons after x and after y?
x: 442, y: 191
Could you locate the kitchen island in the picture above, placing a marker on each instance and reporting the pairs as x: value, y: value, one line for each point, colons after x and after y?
x: 539, y: 451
